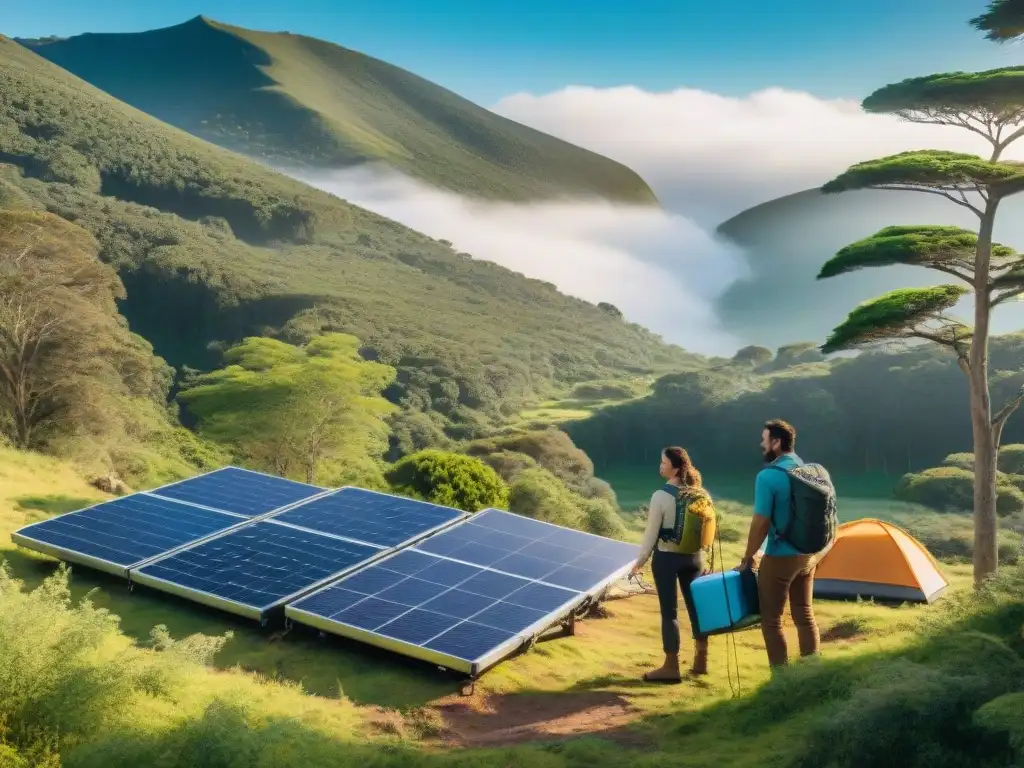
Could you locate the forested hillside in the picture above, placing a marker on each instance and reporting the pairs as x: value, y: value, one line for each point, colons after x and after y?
x: 293, y: 100
x: 212, y: 248
x: 880, y: 412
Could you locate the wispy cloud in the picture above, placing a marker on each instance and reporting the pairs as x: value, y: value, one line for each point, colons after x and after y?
x: 660, y: 269
x: 710, y: 157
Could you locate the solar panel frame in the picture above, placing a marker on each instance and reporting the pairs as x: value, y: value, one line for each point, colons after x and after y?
x: 27, y: 541
x: 471, y: 667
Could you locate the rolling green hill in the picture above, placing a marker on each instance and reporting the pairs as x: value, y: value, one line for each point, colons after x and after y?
x: 291, y: 100
x: 212, y: 247
x: 788, y: 239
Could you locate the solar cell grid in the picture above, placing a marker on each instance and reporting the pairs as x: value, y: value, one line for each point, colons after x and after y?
x: 532, y: 549
x: 468, y: 594
x: 376, y: 518
x: 117, y: 534
x: 240, y: 491
x: 254, y: 568
x: 445, y: 606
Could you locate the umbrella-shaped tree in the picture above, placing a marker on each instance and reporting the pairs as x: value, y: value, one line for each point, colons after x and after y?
x: 991, y: 105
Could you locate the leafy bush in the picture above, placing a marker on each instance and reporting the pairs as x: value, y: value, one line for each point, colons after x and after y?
x: 551, y: 448
x: 602, y: 390
x: 914, y: 715
x: 539, y: 494
x: 451, y: 479
x: 952, y: 488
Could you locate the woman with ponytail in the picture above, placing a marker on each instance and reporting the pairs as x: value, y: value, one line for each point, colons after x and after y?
x: 680, y: 541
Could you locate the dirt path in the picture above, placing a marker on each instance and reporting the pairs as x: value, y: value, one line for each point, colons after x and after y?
x: 479, y: 721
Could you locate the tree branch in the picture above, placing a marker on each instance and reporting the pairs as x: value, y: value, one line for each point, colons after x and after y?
x: 1006, y: 296
x: 1004, y: 413
x: 941, y: 193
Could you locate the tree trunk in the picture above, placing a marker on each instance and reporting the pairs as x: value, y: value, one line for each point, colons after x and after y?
x: 985, y: 523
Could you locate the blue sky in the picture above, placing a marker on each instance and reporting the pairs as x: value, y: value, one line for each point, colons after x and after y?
x: 486, y: 49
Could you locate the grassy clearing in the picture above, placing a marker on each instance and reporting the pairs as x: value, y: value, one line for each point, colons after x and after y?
x: 356, y: 706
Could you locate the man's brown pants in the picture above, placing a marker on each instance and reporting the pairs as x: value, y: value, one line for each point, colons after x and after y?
x: 780, y: 578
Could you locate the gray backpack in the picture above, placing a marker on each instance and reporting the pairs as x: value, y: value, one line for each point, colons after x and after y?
x: 812, y: 509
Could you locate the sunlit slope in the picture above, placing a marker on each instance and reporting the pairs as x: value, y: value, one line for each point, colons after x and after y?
x: 295, y: 100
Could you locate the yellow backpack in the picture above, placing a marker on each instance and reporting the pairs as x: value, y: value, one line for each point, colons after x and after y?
x: 696, y: 521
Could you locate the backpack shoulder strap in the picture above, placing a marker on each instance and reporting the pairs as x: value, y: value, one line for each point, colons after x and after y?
x: 787, y: 473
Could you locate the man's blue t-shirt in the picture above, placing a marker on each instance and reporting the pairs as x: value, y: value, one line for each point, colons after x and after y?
x: 771, y: 494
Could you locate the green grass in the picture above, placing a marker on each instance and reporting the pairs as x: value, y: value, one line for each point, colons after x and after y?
x: 295, y: 100
x: 131, y: 705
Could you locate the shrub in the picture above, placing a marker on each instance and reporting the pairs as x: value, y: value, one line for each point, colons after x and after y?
x: 952, y: 488
x: 918, y: 710
x: 452, y: 479
x: 551, y: 448
x: 538, y: 494
x: 1011, y: 460
x: 602, y: 390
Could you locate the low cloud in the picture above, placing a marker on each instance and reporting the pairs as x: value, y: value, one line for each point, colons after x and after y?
x: 662, y: 270
x: 710, y: 157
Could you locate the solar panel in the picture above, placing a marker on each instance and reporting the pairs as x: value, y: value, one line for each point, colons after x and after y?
x: 369, y: 516
x: 469, y: 595
x: 533, y: 549
x: 240, y: 491
x: 115, y: 535
x: 252, y: 570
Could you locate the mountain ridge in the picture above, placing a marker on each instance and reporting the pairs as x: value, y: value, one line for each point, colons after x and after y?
x: 296, y: 100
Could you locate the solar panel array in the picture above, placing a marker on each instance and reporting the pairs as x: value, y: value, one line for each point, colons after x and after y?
x: 117, y: 535
x: 253, y: 570
x: 420, y: 579
x: 471, y: 593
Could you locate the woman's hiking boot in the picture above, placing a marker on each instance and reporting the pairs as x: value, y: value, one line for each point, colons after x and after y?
x: 667, y: 672
x: 700, y: 657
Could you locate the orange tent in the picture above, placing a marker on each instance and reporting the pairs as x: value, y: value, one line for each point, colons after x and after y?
x: 873, y: 558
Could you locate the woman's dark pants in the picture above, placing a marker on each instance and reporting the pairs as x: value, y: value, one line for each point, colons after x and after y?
x: 669, y: 569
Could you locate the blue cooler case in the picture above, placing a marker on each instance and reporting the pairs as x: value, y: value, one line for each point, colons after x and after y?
x: 725, y: 601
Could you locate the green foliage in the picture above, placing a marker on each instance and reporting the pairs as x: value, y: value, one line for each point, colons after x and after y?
x: 995, y: 90
x: 551, y: 448
x: 924, y: 168
x: 296, y: 101
x: 895, y: 314
x: 879, y: 413
x: 451, y: 479
x: 603, y: 390
x: 1004, y: 715
x: 63, y: 678
x: 753, y: 355
x: 912, y: 714
x: 952, y: 488
x: 537, y: 493
x: 313, y: 412
x: 1002, y: 20
x: 1011, y: 459
x: 924, y: 246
